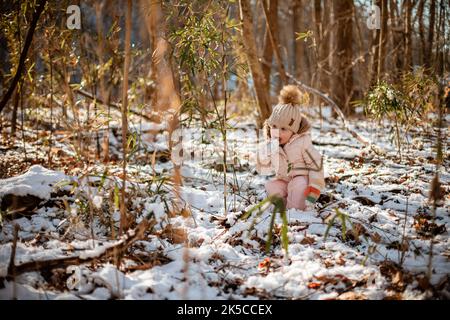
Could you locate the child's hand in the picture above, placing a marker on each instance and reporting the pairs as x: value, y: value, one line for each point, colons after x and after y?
x: 312, y: 194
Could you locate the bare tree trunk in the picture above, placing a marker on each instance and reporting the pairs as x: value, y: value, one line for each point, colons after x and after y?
x: 396, y: 33
x: 429, y: 50
x: 268, y: 50
x: 421, y: 31
x: 99, y: 7
x: 301, y: 65
x: 408, y: 36
x: 40, y: 6
x: 383, y: 40
x: 342, y: 82
x: 259, y: 81
x: 376, y: 33
x: 14, y: 114
x: 123, y: 205
x: 325, y: 47
x: 440, y: 47
x: 273, y: 37
x: 167, y: 99
x: 319, y: 42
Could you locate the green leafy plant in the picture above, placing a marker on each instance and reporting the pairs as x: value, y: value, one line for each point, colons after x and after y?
x: 384, y: 101
x: 279, y: 208
x: 405, y: 103
x: 344, y: 218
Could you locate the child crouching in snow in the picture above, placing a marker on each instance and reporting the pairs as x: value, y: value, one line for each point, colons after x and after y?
x: 288, y: 151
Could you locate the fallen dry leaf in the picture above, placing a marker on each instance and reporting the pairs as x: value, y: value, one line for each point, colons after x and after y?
x: 351, y: 296
x: 308, y: 240
x: 174, y: 234
x: 314, y: 285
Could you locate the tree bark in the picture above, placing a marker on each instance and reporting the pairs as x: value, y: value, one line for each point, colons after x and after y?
x: 342, y: 83
x: 375, y: 52
x: 408, y: 36
x: 325, y: 46
x: 383, y: 40
x: 396, y: 34
x: 301, y: 65
x: 40, y: 6
x: 440, y: 47
x: 421, y: 32
x: 99, y: 7
x: 429, y: 50
x: 268, y: 50
x: 167, y: 97
x: 123, y: 206
x: 319, y: 41
x: 259, y: 81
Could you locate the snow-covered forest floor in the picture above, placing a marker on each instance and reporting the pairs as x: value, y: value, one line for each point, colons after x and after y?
x: 380, y: 250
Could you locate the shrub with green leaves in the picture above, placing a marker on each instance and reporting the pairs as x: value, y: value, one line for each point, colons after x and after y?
x: 405, y: 103
x: 203, y: 38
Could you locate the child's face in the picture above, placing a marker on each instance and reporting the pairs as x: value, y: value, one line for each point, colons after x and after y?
x: 282, y: 134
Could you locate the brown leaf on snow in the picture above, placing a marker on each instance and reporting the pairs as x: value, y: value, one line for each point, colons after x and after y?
x: 364, y: 200
x: 340, y: 261
x: 328, y: 263
x: 394, y: 296
x: 173, y: 234
x: 308, y: 240
x: 375, y: 237
x: 326, y: 280
x: 351, y: 296
x: 397, y: 279
x: 332, y: 179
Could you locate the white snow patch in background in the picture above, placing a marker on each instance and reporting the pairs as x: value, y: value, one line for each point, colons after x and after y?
x: 37, y: 181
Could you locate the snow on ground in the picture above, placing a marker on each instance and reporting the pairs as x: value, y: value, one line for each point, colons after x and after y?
x: 210, y: 254
x: 37, y: 181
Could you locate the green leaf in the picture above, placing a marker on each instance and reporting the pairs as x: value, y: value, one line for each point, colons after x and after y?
x: 270, y: 232
x: 330, y: 223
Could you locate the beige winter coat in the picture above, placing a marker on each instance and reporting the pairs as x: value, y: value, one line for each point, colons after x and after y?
x: 298, y: 157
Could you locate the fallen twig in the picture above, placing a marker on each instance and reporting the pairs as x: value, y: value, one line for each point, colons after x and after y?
x: 130, y: 237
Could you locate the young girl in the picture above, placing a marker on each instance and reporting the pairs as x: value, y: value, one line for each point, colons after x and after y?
x: 289, y: 152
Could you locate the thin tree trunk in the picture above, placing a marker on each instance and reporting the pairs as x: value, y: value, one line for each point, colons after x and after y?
x: 268, y: 50
x: 319, y: 42
x: 40, y: 6
x: 408, y: 36
x: 383, y: 40
x: 325, y: 47
x: 14, y: 114
x: 166, y: 100
x: 343, y: 78
x: 439, y: 60
x: 421, y: 32
x: 259, y: 81
x: 375, y: 52
x: 273, y: 37
x: 301, y: 65
x: 397, y: 48
x: 123, y: 205
x: 429, y: 51
x: 99, y: 7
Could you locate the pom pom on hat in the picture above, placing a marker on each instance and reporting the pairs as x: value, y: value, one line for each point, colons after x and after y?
x: 290, y: 94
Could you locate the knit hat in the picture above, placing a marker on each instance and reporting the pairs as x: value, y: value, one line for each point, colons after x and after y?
x: 287, y: 112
